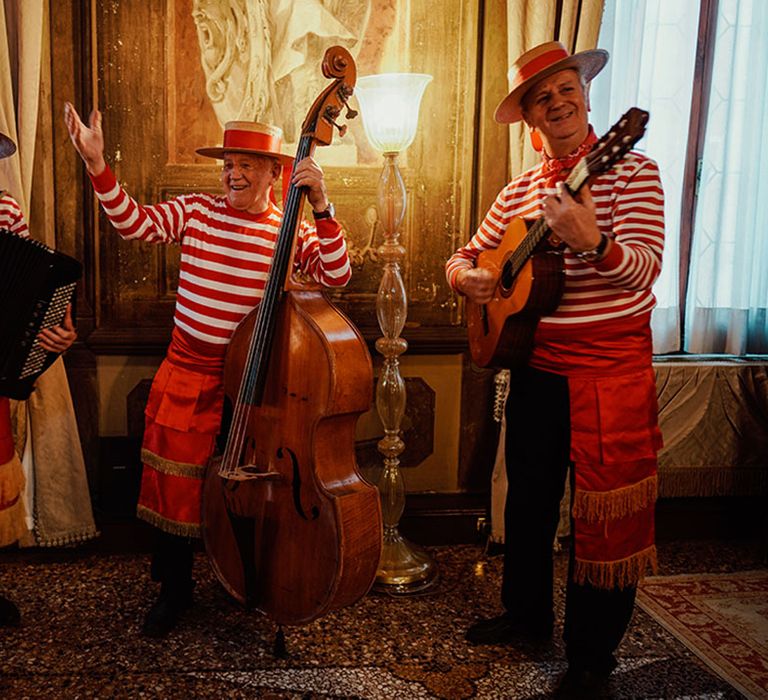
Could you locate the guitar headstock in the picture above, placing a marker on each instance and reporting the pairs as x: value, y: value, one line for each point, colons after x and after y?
x: 619, y: 140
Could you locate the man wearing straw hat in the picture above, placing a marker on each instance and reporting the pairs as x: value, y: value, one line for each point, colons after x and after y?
x: 56, y: 339
x: 227, y: 242
x: 587, y: 396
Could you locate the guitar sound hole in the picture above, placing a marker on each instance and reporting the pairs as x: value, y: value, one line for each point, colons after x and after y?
x: 507, y: 277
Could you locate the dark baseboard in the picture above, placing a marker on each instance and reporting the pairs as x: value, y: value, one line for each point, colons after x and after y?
x: 445, y: 518
x: 428, y: 518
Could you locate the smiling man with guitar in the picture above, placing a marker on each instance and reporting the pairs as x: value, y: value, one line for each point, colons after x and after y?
x: 558, y: 283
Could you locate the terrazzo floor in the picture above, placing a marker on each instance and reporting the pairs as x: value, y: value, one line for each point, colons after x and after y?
x: 81, y: 614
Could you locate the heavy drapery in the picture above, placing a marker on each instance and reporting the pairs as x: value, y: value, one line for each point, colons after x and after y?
x: 57, y: 499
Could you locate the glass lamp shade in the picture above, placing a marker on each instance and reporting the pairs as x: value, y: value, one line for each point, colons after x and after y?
x: 389, y: 103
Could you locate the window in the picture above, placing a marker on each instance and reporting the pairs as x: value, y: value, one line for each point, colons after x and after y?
x: 700, y: 67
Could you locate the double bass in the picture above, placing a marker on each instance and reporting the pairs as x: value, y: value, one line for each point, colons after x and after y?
x: 290, y: 526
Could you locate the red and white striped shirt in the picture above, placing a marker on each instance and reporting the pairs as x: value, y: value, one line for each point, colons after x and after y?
x: 11, y: 216
x: 629, y: 203
x: 225, y: 253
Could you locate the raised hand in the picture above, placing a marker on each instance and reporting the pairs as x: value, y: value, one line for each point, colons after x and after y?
x: 88, y: 140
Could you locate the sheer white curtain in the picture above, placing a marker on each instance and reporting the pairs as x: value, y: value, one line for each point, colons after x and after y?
x: 653, y: 45
x: 728, y: 288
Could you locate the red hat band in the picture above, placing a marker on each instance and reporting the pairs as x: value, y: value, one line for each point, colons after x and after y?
x: 537, y: 64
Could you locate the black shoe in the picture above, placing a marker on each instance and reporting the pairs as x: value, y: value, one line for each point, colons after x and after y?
x: 506, y: 628
x: 580, y: 683
x: 9, y: 613
x: 164, y: 615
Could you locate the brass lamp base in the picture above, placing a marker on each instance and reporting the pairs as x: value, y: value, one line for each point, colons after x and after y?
x: 404, y: 568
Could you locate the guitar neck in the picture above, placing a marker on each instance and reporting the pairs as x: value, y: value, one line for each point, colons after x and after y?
x: 539, y: 229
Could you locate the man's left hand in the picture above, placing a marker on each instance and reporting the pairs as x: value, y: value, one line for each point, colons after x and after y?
x: 573, y: 219
x: 310, y: 175
x: 59, y: 338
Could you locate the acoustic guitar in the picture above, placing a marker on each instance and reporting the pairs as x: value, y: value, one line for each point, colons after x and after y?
x: 528, y: 264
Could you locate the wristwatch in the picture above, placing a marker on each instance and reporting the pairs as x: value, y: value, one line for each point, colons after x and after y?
x: 596, y: 253
x: 328, y: 213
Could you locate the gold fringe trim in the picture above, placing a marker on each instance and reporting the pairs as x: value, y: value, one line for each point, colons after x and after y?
x: 167, y: 466
x: 67, y: 540
x: 172, y: 527
x: 616, y: 574
x: 593, y: 506
x: 12, y: 526
x: 11, y: 481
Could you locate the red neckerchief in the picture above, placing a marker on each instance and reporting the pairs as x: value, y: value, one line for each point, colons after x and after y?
x: 557, y: 169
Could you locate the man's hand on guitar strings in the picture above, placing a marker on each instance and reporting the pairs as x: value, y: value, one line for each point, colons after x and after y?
x: 571, y: 219
x: 477, y: 284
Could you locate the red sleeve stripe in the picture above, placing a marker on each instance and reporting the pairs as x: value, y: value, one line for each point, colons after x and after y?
x: 325, y: 259
x: 12, y: 218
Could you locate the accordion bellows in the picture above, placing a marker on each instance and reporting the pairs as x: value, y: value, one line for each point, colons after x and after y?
x: 36, y: 284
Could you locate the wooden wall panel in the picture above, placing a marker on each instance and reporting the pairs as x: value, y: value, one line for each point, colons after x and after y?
x: 151, y: 89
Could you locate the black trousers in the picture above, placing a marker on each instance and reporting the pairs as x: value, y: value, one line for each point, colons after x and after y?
x: 537, y: 452
x: 172, y: 558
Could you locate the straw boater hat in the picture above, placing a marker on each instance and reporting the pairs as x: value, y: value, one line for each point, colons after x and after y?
x: 7, y: 147
x: 540, y: 62
x: 250, y: 137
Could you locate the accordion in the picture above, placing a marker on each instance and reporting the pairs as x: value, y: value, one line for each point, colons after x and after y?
x: 36, y: 284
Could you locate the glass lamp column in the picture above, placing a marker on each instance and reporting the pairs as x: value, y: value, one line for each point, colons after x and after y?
x: 390, y: 106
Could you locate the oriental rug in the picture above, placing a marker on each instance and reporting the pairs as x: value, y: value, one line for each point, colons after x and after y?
x: 722, y: 618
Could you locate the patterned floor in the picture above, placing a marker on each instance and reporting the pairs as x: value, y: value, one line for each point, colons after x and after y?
x: 80, y: 638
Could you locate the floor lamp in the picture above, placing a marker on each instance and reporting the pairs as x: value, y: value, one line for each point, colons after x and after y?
x: 390, y: 108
